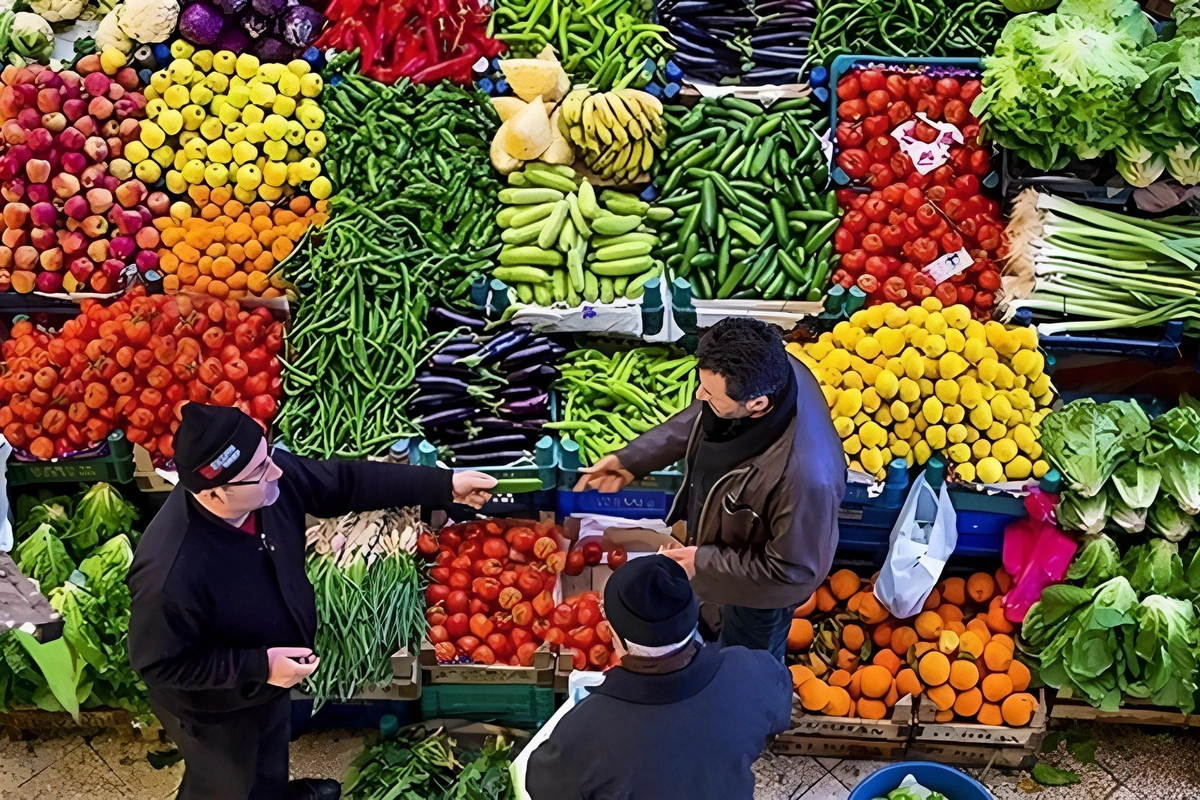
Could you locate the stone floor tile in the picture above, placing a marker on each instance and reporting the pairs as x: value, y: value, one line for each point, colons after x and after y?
x: 20, y: 760
x: 325, y: 754
x: 79, y: 775
x: 852, y: 771
x: 125, y: 755
x: 828, y: 788
x: 1154, y: 763
x: 829, y: 763
x: 781, y: 777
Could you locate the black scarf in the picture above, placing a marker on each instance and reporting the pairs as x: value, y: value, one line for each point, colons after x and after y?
x: 726, y: 443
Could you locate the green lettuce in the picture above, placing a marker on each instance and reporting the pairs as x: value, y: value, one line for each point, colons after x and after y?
x: 1078, y: 513
x: 1173, y: 446
x: 1061, y: 85
x: 1137, y: 483
x: 1096, y: 561
x: 1122, y: 517
x: 1168, y: 520
x: 1155, y: 568
x: 1165, y: 645
x: 1138, y: 164
x: 1087, y: 440
x: 43, y: 558
x: 99, y: 515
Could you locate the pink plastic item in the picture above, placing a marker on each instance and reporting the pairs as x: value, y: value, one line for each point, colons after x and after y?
x: 1037, y: 554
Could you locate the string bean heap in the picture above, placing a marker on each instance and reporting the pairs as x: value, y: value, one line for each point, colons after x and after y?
x: 370, y: 599
x: 611, y: 400
x: 605, y: 42
x: 414, y: 222
x: 905, y: 28
x: 417, y: 763
x: 752, y: 217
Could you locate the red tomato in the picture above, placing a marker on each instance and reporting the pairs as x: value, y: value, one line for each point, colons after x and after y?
x: 578, y: 659
x: 854, y: 162
x: 437, y: 634
x: 878, y: 100
x: 849, y: 135
x: 486, y: 589
x: 563, y: 616
x: 894, y: 289
x: 871, y: 80
x: 445, y: 651
x: 849, y: 88
x: 575, y: 563
x: 525, y: 653
x: 896, y: 86
x: 947, y: 87
x: 946, y: 292
x: 436, y: 593
x: 522, y: 614
x: 457, y: 625
x: 989, y: 279
x: 956, y: 112
x: 603, y: 631
x: 877, y: 125
x: 530, y: 583
x: 853, y: 110
x: 481, y: 626
x: 868, y: 283
x: 592, y: 553
x: 598, y: 655
x: 919, y: 86
x: 543, y: 604
x: 617, y: 558
x: 843, y: 240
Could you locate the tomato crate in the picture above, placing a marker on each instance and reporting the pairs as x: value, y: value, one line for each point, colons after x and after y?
x: 526, y: 707
x: 646, y: 498
x: 970, y: 744
x: 1069, y: 708
x: 111, y: 462
x: 822, y: 736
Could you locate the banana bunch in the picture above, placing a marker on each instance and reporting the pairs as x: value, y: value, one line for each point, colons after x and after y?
x: 563, y: 244
x: 617, y: 131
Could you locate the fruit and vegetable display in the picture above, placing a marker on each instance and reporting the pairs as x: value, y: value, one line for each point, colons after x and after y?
x: 424, y: 42
x: 608, y: 400
x: 79, y: 548
x: 130, y: 366
x: 617, y: 132
x: 1080, y: 269
x: 747, y: 185
x: 492, y: 599
x: 849, y: 657
x: 564, y: 243
x: 403, y: 232
x: 927, y: 227
x: 77, y: 211
x: 483, y: 398
x: 428, y: 764
x: 907, y: 383
x: 606, y: 45
x: 270, y: 30
x: 368, y: 590
x: 218, y: 118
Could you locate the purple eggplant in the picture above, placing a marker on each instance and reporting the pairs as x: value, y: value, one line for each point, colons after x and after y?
x: 443, y: 319
x: 510, y: 394
x: 446, y: 417
x: 489, y: 459
x: 498, y: 346
x: 497, y: 424
x: 533, y: 373
x: 492, y: 444
x: 439, y: 383
x: 526, y: 408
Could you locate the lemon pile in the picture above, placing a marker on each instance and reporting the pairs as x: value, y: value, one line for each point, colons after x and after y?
x: 907, y: 383
x: 222, y: 118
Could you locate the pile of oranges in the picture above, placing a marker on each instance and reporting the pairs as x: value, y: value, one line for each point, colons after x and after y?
x: 229, y: 249
x: 851, y: 658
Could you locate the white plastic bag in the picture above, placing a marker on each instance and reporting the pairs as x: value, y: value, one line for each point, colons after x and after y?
x: 6, y: 528
x: 922, y: 540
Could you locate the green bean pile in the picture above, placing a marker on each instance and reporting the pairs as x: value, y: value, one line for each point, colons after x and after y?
x: 364, y: 615
x: 610, y: 400
x: 905, y: 28
x: 413, y: 223
x: 602, y: 41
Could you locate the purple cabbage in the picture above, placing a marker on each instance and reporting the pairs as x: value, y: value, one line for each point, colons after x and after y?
x: 268, y: 48
x: 232, y: 6
x: 301, y: 25
x: 201, y: 23
x: 269, y: 8
x: 256, y: 24
x: 232, y: 38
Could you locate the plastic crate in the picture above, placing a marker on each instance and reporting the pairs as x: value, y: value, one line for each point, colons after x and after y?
x: 647, y: 498
x: 112, y: 462
x: 515, y: 706
x: 1163, y: 349
x: 865, y: 523
x: 545, y: 468
x: 843, y: 64
x: 1082, y: 181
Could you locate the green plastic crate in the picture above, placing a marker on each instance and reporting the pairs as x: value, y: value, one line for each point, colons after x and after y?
x: 114, y: 467
x: 523, y: 706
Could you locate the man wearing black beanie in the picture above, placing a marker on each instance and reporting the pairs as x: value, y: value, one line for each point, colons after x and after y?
x: 678, y: 718
x: 223, y: 617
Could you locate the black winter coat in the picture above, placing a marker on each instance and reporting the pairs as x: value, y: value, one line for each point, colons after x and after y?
x: 208, y: 600
x: 693, y: 733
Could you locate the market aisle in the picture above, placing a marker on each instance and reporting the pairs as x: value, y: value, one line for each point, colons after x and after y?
x: 1131, y: 764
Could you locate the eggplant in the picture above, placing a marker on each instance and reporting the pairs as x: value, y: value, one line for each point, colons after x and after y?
x: 463, y: 348
x: 526, y: 425
x: 441, y: 383
x: 526, y: 408
x: 445, y: 319
x: 539, y: 353
x: 446, y: 417
x: 490, y: 459
x: 492, y: 444
x: 534, y: 372
x: 511, y: 394
x: 498, y: 345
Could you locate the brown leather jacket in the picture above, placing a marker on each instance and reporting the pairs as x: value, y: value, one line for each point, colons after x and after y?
x: 769, y: 527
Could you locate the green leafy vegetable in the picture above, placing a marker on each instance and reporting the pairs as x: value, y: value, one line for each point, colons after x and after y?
x: 1166, y: 631
x: 1168, y: 520
x: 1155, y: 568
x: 1173, y: 446
x: 63, y: 671
x: 1124, y: 518
x: 1087, y: 440
x: 1137, y: 483
x: 1047, y: 775
x: 417, y: 764
x: 43, y: 558
x: 1097, y: 561
x: 100, y: 514
x: 1078, y: 513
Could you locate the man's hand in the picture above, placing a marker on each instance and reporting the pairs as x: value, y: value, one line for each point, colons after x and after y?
x: 472, y: 488
x: 286, y: 667
x: 684, y: 557
x: 606, y: 475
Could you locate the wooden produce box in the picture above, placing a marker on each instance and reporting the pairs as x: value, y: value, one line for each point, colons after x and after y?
x: 1067, y: 708
x: 968, y: 744
x: 147, y: 479
x: 541, y: 673
x: 24, y: 723
x: 405, y: 684
x: 818, y: 735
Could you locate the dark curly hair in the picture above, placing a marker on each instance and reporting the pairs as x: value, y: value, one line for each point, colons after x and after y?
x: 748, y: 353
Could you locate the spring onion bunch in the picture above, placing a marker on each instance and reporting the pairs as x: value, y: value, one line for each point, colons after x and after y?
x: 1100, y: 269
x: 370, y: 602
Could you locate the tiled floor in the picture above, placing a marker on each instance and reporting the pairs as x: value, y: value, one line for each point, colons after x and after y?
x: 1131, y: 764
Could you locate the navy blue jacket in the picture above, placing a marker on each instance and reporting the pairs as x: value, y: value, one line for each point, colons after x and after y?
x: 692, y: 733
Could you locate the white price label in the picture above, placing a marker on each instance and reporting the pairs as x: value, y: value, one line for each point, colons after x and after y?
x: 927, y: 156
x: 949, y: 265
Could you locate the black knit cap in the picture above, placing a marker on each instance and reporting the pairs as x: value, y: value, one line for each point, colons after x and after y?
x: 650, y: 602
x: 213, y: 445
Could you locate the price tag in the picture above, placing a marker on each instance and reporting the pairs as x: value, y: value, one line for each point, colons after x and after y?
x: 949, y: 265
x: 927, y: 156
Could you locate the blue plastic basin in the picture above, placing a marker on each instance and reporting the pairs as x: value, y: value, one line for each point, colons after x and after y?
x: 953, y: 783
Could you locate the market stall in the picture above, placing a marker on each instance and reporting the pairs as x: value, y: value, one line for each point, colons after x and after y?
x: 489, y: 237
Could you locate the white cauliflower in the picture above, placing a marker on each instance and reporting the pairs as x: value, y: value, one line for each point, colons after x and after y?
x: 109, y: 34
x: 57, y: 10
x: 148, y: 21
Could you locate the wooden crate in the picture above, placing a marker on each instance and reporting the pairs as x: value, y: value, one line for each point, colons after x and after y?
x: 405, y: 684
x: 970, y: 744
x: 1068, y: 708
x: 847, y: 737
x: 144, y: 475
x: 540, y: 674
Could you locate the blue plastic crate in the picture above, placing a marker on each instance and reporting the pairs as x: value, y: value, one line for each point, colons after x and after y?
x: 1163, y: 349
x: 648, y: 498
x: 865, y: 523
x: 519, y: 706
